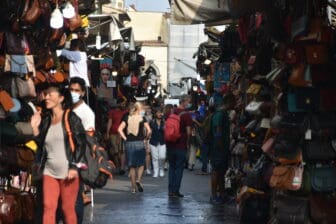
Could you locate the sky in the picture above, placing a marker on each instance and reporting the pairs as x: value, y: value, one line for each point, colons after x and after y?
x: 150, y: 5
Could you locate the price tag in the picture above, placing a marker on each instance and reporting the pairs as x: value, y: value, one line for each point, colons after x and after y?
x: 308, y: 135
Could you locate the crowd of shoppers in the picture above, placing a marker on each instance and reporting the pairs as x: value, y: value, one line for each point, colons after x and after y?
x: 205, y: 132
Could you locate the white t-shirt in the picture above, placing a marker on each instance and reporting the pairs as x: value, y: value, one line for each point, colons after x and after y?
x: 85, y: 113
x: 79, y: 68
x: 77, y: 65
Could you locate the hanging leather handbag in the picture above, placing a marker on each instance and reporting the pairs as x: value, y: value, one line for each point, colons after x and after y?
x: 287, y: 177
x: 316, y: 54
x: 267, y: 147
x: 33, y: 13
x: 25, y: 158
x: 134, y: 80
x: 324, y: 178
x: 291, y: 209
x: 319, y: 151
x: 10, y: 207
x: 293, y: 55
x: 25, y: 87
x: 322, y: 208
x: 300, y: 76
x: 302, y: 99
x: 27, y: 206
x: 15, y: 44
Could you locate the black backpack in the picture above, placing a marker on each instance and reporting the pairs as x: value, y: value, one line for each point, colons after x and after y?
x: 98, y: 166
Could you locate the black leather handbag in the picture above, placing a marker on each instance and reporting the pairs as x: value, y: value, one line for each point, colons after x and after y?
x: 290, y: 209
x: 319, y: 151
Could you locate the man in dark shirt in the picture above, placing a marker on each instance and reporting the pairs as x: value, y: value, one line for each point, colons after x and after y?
x: 177, y: 151
x: 220, y: 146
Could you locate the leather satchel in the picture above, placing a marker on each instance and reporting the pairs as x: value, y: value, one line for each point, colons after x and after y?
x: 319, y: 151
x: 322, y: 208
x: 291, y: 209
x: 287, y: 177
x: 324, y: 178
x: 27, y: 206
x: 300, y: 76
x: 10, y: 207
x: 316, y: 54
x: 33, y: 13
x: 20, y: 157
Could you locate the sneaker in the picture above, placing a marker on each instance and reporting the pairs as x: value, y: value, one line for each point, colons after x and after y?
x: 139, y: 186
x: 156, y: 174
x: 162, y: 173
x: 148, y: 172
x: 133, y: 191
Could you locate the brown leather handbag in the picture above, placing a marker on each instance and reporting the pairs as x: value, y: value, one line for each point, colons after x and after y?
x: 287, y: 177
x: 298, y: 76
x: 33, y: 13
x: 10, y: 207
x: 316, y: 54
x: 27, y: 206
x: 25, y: 158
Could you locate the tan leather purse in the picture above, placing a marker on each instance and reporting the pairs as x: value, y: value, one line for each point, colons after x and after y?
x: 287, y: 177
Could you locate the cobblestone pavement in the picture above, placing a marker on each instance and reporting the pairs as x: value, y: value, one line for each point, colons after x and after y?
x: 115, y: 204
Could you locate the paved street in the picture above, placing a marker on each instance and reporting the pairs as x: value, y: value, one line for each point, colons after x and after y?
x: 115, y: 203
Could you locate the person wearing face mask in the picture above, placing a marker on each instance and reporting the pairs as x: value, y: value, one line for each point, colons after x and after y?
x: 87, y: 117
x: 177, y: 151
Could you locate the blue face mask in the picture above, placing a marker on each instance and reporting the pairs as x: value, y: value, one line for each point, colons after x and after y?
x: 75, y: 97
x: 142, y: 113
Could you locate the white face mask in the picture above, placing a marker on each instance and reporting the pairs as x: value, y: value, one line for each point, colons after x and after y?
x: 75, y: 97
x: 142, y: 113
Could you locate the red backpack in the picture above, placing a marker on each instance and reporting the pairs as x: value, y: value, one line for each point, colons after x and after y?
x: 172, y: 128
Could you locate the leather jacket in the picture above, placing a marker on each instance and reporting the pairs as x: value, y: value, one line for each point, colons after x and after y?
x: 78, y: 135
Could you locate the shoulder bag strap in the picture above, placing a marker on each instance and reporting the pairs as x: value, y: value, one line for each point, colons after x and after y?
x: 68, y: 130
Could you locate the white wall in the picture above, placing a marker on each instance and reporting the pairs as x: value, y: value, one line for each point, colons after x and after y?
x: 183, y: 43
x: 148, y: 25
x: 159, y: 56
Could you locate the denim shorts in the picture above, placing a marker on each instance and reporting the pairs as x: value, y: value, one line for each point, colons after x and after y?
x: 135, y: 153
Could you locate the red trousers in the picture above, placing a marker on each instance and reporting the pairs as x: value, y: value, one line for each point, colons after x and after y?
x: 53, y: 189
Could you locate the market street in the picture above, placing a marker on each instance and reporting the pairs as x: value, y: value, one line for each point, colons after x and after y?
x: 115, y: 203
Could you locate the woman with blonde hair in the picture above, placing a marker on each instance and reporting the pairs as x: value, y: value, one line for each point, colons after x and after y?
x: 137, y: 131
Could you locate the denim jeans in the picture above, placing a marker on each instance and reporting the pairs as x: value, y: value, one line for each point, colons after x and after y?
x: 176, y: 159
x: 204, y: 157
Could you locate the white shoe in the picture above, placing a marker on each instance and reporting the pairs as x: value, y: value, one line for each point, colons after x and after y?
x: 162, y: 173
x: 156, y: 174
x: 148, y: 172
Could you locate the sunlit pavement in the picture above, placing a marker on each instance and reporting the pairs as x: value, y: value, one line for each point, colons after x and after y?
x: 115, y: 204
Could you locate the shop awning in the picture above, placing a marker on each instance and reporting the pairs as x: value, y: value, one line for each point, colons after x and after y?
x: 211, y: 12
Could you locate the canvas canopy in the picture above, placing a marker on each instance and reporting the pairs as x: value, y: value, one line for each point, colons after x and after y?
x: 211, y: 12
